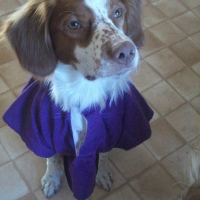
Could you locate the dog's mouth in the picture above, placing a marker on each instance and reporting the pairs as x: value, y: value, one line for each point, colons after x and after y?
x: 90, y: 78
x: 115, y: 75
x: 123, y: 71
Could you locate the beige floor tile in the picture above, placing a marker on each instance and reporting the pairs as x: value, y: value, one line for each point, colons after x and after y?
x: 196, y: 104
x: 152, y: 44
x: 119, y: 180
x: 163, y: 135
x: 163, y: 98
x: 197, y: 11
x: 28, y: 197
x: 17, y: 91
x: 196, y: 37
x: 186, y: 121
x: 8, y: 6
x: 22, y: 1
x: 6, y: 54
x: 152, y: 16
x: 152, y: 1
x: 5, y: 101
x: 188, y: 51
x: 64, y: 194
x: 193, y: 143
x: 4, y: 158
x: 4, y: 18
x: 165, y: 62
x: 124, y: 193
x: 132, y: 162
x: 145, y: 77
x: 98, y: 193
x: 3, y: 86
x: 145, y: 2
x: 12, y: 185
x: 148, y: 1
x: 156, y: 115
x: 12, y: 142
x: 191, y: 3
x: 13, y: 74
x: 170, y: 8
x: 178, y: 163
x: 156, y: 184
x: 187, y: 83
x: 34, y: 170
x: 188, y: 21
x: 168, y: 32
x: 196, y: 68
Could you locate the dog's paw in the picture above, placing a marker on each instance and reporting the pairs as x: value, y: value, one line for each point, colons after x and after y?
x: 51, y: 182
x: 104, y: 179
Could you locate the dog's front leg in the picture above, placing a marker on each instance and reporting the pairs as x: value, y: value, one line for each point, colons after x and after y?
x: 51, y: 180
x: 104, y: 178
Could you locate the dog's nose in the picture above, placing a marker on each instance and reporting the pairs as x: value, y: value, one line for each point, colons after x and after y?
x: 123, y: 53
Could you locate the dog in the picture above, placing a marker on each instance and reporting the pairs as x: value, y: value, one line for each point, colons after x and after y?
x: 82, y: 51
x: 191, y: 184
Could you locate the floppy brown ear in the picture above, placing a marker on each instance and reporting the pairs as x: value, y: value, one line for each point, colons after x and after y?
x: 132, y: 26
x: 27, y: 31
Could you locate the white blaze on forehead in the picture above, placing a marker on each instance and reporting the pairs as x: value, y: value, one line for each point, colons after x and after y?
x: 99, y: 7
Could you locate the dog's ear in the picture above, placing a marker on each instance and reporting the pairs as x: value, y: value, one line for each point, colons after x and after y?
x: 27, y: 31
x: 132, y: 26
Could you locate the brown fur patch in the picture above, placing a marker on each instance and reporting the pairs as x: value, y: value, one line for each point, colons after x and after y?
x: 132, y: 26
x: 27, y: 31
x: 63, y: 38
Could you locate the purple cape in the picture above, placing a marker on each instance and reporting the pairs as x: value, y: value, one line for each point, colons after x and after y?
x: 46, y: 130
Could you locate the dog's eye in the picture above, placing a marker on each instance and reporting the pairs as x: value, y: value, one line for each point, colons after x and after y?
x: 73, y: 25
x: 118, y: 13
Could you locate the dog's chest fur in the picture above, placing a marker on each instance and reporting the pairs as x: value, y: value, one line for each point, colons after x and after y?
x: 70, y: 89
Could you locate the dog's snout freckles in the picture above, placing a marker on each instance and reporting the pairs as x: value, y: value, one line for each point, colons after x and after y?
x: 109, y: 52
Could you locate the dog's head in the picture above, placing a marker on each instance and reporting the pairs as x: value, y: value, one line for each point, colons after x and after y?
x: 99, y: 38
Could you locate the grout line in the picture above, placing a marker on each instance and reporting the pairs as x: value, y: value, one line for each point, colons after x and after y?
x: 194, y: 70
x: 117, y: 169
x: 21, y: 175
x: 135, y: 191
x: 31, y: 193
x: 165, y: 78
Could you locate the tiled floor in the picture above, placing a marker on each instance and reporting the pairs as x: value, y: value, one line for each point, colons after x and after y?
x: 169, y: 78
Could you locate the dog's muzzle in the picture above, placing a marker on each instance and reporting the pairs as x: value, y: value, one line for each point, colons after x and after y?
x: 123, y: 53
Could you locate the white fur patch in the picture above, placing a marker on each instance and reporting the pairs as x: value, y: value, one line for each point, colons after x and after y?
x: 70, y: 88
x: 98, y: 6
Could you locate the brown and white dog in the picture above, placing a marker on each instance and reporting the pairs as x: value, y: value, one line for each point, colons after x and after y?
x: 86, y: 49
